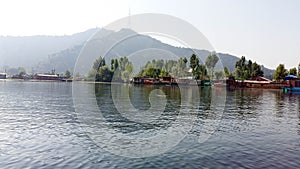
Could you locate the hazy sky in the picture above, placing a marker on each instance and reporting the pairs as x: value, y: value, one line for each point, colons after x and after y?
x: 266, y: 31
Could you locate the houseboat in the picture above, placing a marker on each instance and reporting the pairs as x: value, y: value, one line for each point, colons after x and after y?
x: 2, y: 75
x: 46, y: 77
x: 293, y: 84
x: 154, y: 81
x: 170, y: 81
x: 257, y: 82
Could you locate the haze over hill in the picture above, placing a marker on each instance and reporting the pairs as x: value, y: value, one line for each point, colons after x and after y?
x: 27, y: 51
x: 44, y: 53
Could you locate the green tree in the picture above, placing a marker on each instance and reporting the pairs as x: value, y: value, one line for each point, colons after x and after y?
x: 104, y: 74
x: 68, y: 74
x: 114, y: 64
x: 128, y: 70
x: 256, y: 70
x: 211, y: 62
x: 164, y: 73
x: 194, y: 61
x: 219, y: 74
x: 194, y: 64
x: 293, y: 71
x: 151, y: 72
x: 248, y: 70
x: 100, y: 71
x: 122, y: 63
x: 226, y: 72
x: 181, y: 67
x: 99, y: 63
x: 240, y: 67
x: 170, y: 67
x: 280, y: 72
x: 199, y: 71
x: 299, y: 70
x: 91, y: 75
x: 203, y: 71
x: 22, y: 71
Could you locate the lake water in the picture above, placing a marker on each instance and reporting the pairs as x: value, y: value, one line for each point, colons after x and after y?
x: 41, y: 126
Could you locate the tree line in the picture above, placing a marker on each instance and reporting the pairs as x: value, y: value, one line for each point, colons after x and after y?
x: 248, y: 69
x: 281, y: 72
x: 120, y: 69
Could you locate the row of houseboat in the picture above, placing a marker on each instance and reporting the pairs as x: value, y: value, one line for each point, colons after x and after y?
x: 258, y: 82
x: 170, y: 81
x: 40, y: 77
x: 289, y: 83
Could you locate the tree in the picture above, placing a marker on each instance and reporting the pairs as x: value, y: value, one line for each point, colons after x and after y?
x: 91, y: 75
x: 122, y: 63
x: 22, y: 71
x: 68, y: 74
x: 104, y: 74
x: 280, y: 72
x: 226, y: 72
x: 299, y: 70
x: 256, y: 70
x: 181, y: 67
x: 128, y: 70
x: 198, y: 70
x: 248, y: 70
x: 219, y: 74
x: 194, y: 61
x: 194, y: 64
x: 211, y: 62
x: 151, y: 72
x: 114, y: 64
x: 293, y: 71
x: 240, y: 68
x: 99, y: 63
x: 164, y: 73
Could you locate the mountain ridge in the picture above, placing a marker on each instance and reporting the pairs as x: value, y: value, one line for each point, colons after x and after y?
x: 66, y: 49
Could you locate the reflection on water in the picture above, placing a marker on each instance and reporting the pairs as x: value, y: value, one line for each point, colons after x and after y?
x: 39, y: 127
x: 138, y: 96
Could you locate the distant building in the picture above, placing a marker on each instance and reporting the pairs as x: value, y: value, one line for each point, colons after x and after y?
x: 2, y: 75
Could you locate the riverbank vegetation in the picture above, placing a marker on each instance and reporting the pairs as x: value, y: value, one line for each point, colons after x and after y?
x: 247, y: 70
x: 281, y: 72
x: 121, y: 69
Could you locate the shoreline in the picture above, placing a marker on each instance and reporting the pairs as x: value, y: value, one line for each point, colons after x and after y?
x: 116, y: 83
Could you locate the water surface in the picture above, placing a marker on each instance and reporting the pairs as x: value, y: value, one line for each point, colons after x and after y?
x: 39, y: 128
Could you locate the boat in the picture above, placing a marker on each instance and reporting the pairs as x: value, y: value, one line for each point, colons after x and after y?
x: 294, y: 84
x: 2, y: 75
x: 257, y: 82
x: 67, y: 79
x: 52, y: 77
x: 291, y: 89
x: 169, y: 81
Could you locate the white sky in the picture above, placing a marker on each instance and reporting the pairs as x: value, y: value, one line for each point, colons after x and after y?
x: 266, y: 31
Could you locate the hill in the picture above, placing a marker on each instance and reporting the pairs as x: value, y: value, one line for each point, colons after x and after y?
x: 44, y: 53
x: 27, y: 51
x: 139, y: 48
